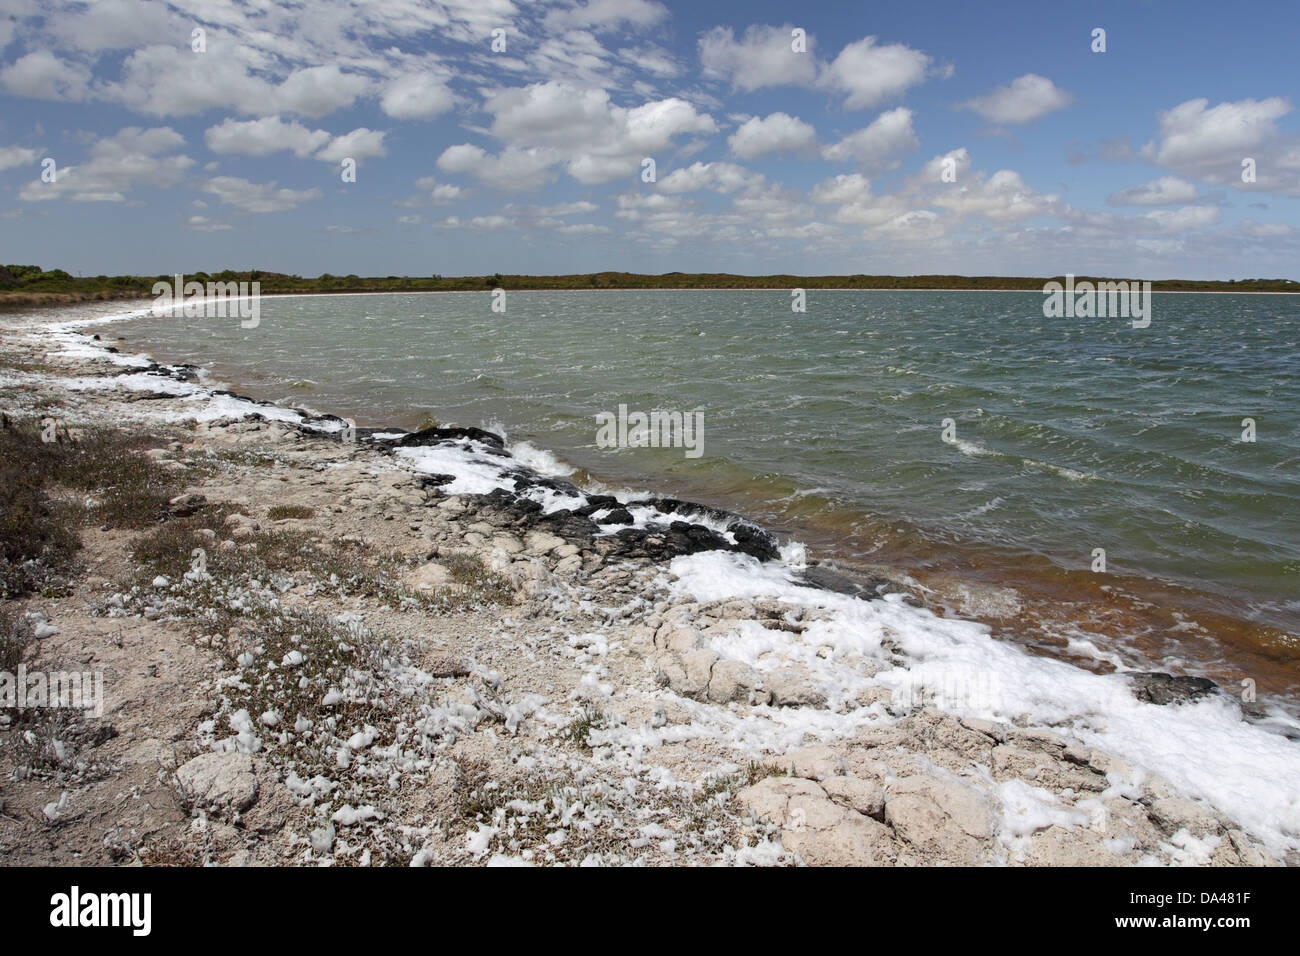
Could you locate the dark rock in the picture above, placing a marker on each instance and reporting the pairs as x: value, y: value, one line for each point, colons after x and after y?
x: 572, y: 527
x: 820, y: 576
x: 1156, y: 687
x: 828, y: 580
x: 600, y: 503
x: 618, y: 515
x: 754, y: 541
x: 435, y: 436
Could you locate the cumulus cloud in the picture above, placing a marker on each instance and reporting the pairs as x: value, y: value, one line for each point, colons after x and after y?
x: 1192, y: 135
x: 1026, y: 99
x: 512, y: 170
x: 204, y: 224
x: 597, y: 140
x: 43, y: 76
x: 872, y: 74
x: 131, y: 158
x: 1206, y: 142
x: 167, y: 81
x: 867, y: 73
x: 1187, y: 219
x: 873, y: 146
x: 416, y: 96
x: 1165, y: 191
x: 762, y: 57
x: 775, y: 133
x: 11, y: 156
x: 719, y: 177
x: 359, y: 144
x: 847, y: 188
x: 606, y: 14
x: 257, y: 197
x: 262, y: 137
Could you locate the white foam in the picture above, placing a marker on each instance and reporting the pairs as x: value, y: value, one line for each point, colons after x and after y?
x: 1204, y: 750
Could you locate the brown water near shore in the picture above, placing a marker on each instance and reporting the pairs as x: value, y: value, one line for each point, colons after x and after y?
x: 1094, y: 620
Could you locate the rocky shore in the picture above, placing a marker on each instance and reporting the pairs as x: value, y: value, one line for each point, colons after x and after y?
x: 353, y: 647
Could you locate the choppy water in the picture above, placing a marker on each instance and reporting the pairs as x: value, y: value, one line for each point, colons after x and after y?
x: 1071, y: 434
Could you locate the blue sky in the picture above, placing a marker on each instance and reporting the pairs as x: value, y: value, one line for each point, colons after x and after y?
x: 530, y: 159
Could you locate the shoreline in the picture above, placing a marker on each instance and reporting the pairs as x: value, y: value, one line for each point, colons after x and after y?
x: 681, y: 665
x: 21, y: 301
x: 1029, y: 598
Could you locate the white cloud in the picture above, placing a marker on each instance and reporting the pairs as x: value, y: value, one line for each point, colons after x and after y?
x: 763, y: 57
x: 1265, y: 230
x: 129, y: 159
x: 11, y: 156
x: 605, y: 14
x: 416, y: 96
x: 871, y: 74
x: 439, y: 193
x: 916, y: 225
x: 1165, y: 191
x: 1027, y: 98
x: 257, y: 197
x: 361, y: 143
x: 1210, y: 143
x: 720, y: 177
x: 568, y: 208
x: 171, y: 81
x: 1182, y: 220
x: 42, y: 75
x: 204, y: 224
x: 512, y: 170
x: 1002, y: 197
x: 318, y: 90
x: 598, y: 141
x: 1192, y: 135
x: 583, y: 229
x: 851, y: 187
x: 262, y: 137
x: 871, y: 147
x: 775, y: 133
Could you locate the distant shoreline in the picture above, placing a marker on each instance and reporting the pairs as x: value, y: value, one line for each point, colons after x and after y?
x: 23, y: 287
x: 16, y: 301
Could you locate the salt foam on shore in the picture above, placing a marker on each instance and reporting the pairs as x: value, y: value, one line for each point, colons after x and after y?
x: 1203, y: 749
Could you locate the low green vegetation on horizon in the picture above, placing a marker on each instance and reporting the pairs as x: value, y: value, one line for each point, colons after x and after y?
x: 25, y: 286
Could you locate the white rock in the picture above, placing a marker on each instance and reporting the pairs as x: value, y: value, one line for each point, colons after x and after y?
x: 223, y: 781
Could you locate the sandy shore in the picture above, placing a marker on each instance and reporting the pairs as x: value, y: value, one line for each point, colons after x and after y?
x: 401, y: 650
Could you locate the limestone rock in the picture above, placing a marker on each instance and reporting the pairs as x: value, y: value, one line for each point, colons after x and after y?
x: 219, y: 781
x: 731, y: 681
x: 940, y: 817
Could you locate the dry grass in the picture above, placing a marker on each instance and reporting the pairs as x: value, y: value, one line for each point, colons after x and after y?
x: 52, y: 481
x: 284, y: 512
x: 17, y: 638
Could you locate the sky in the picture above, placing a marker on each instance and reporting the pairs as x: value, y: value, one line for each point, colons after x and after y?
x: 473, y: 137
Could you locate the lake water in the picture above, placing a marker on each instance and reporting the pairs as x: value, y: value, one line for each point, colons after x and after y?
x: 1065, y: 436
